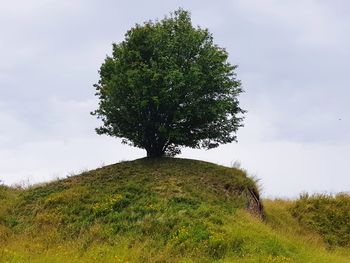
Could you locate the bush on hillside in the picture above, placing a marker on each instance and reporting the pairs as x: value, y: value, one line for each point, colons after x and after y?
x: 327, y: 214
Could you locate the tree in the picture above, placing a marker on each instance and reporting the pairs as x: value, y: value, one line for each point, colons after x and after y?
x: 166, y: 86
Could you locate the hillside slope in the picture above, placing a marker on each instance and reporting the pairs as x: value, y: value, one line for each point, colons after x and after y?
x: 160, y: 210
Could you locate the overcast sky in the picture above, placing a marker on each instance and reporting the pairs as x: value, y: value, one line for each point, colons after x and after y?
x: 293, y: 58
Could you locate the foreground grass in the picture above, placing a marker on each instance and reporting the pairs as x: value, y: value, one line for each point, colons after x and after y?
x: 164, y: 210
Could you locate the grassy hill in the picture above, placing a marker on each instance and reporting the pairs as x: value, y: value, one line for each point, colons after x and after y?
x: 157, y: 210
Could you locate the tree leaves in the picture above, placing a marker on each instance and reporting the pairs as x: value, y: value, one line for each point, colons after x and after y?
x: 167, y: 86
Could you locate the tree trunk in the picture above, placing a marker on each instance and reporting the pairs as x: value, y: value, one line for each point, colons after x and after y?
x: 155, y: 151
x: 154, y: 154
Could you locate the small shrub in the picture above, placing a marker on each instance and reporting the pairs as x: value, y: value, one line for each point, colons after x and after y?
x: 328, y: 215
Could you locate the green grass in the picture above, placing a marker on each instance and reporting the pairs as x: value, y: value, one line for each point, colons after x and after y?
x: 160, y: 210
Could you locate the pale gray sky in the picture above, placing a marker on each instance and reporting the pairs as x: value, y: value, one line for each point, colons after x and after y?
x: 293, y: 59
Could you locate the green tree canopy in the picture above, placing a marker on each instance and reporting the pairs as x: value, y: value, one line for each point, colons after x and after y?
x: 167, y: 86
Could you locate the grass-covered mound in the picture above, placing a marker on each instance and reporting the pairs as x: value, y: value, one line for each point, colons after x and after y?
x: 160, y: 210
